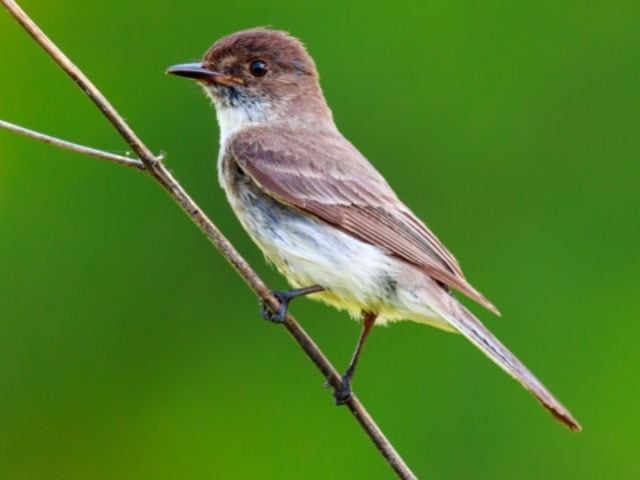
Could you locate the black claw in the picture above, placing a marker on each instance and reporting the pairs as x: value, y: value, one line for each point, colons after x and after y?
x: 267, y: 314
x: 284, y: 297
x: 279, y: 315
x: 343, y: 394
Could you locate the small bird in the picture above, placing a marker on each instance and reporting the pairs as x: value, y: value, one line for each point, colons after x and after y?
x: 321, y: 213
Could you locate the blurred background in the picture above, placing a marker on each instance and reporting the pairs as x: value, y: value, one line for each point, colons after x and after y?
x: 130, y: 349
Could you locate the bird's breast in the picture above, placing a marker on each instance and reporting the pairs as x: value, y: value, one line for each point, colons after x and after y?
x: 305, y: 249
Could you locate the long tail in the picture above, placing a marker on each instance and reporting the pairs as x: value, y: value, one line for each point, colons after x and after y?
x: 477, y: 333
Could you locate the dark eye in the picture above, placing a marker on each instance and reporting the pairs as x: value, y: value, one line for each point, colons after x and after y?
x: 258, y: 68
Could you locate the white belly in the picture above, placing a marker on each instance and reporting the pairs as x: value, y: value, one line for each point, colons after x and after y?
x: 357, y: 276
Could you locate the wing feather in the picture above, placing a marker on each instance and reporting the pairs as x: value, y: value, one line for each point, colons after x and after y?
x: 324, y: 175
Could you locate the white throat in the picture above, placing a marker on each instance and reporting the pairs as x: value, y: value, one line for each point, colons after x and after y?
x: 232, y: 119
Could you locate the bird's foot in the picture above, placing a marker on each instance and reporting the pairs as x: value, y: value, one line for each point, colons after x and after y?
x: 284, y: 297
x: 343, y: 393
x: 279, y: 315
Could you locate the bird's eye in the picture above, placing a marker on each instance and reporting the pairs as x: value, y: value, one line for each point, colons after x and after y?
x: 258, y: 68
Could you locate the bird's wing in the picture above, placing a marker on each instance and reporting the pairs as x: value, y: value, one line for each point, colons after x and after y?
x: 324, y: 175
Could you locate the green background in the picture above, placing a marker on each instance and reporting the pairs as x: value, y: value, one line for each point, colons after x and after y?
x: 130, y: 349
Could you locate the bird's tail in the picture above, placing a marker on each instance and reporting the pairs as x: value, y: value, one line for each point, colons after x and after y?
x: 469, y: 326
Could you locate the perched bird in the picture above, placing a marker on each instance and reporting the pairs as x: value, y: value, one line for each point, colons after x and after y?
x: 321, y: 213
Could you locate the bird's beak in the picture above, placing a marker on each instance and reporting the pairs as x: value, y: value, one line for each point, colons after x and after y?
x: 197, y: 71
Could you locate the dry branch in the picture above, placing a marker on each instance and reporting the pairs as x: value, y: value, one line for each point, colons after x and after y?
x: 153, y: 165
x: 75, y: 147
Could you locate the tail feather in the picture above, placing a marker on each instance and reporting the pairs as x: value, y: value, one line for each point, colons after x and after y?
x: 477, y: 333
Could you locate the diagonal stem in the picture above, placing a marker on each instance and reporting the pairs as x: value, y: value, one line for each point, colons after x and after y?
x: 82, y: 80
x: 155, y: 167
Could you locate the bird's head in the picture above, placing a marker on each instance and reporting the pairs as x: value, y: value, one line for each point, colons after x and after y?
x: 261, y: 72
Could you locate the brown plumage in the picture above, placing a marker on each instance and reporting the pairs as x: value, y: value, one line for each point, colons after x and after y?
x: 320, y: 211
x: 354, y: 197
x: 351, y: 195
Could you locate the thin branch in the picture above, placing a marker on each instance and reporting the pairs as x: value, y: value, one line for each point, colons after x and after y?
x: 92, y: 152
x: 82, y: 80
x: 156, y: 168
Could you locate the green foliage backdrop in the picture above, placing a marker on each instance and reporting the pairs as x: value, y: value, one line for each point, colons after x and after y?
x: 129, y: 349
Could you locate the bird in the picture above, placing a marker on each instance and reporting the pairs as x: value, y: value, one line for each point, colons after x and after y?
x: 320, y: 211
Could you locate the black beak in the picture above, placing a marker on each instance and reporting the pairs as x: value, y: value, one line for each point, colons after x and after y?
x: 197, y: 71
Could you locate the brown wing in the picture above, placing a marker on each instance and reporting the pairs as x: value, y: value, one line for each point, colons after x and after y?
x: 326, y: 176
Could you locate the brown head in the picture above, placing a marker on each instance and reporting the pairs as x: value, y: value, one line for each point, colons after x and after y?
x: 258, y: 70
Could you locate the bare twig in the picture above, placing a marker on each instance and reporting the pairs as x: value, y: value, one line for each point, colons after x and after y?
x: 154, y: 166
x: 93, y: 152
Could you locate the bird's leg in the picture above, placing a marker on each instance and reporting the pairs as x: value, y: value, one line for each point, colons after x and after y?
x: 284, y: 297
x: 342, y: 394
